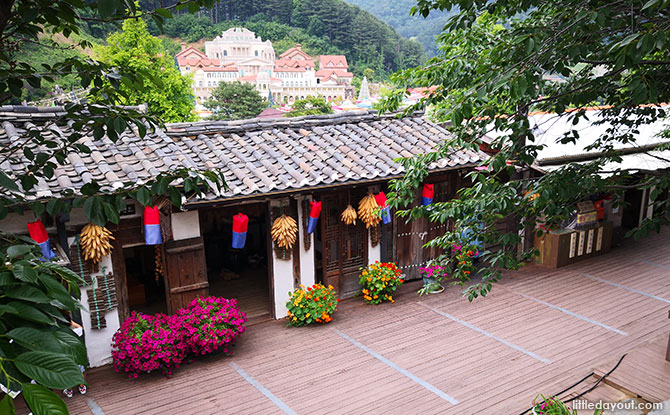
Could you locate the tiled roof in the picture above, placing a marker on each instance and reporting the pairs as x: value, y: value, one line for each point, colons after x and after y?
x: 293, y: 63
x: 327, y: 73
x: 221, y: 69
x: 257, y: 156
x: 333, y: 61
x: 190, y: 52
x: 192, y: 61
x: 295, y: 51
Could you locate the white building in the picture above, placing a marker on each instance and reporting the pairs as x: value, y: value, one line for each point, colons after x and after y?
x: 239, y: 55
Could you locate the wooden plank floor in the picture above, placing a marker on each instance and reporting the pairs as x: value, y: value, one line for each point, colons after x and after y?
x: 539, y: 331
x: 644, y: 371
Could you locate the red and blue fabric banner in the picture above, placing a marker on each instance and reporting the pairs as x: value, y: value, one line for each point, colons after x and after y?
x: 314, y: 213
x: 152, y: 226
x: 386, y: 210
x: 240, y: 226
x: 427, y: 194
x: 39, y: 234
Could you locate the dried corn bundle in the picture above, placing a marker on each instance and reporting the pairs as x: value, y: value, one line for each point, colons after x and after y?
x: 94, y: 241
x: 368, y: 211
x: 158, y: 251
x: 284, y: 231
x: 349, y: 215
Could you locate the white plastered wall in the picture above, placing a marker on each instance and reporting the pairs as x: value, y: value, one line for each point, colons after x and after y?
x: 185, y: 225
x: 282, y: 271
x: 374, y: 252
x: 307, y: 271
x: 98, y: 341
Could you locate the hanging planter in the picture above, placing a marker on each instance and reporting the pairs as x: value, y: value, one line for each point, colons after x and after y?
x: 367, y: 211
x: 94, y: 241
x: 349, y: 215
x: 284, y: 231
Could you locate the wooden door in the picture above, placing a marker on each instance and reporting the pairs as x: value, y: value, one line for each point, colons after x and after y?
x: 412, y: 235
x: 186, y: 276
x: 345, y: 247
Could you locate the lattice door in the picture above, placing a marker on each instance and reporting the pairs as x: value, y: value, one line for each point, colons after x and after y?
x: 413, y: 235
x: 344, y: 246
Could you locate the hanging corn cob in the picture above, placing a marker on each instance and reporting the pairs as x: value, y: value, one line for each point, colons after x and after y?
x: 94, y: 242
x: 349, y: 215
x: 368, y: 211
x: 284, y: 231
x: 158, y: 253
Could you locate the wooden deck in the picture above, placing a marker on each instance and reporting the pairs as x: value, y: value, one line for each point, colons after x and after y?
x: 539, y: 331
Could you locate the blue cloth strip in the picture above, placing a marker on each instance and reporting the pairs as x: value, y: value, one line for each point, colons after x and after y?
x: 311, y: 224
x: 239, y: 239
x: 152, y: 235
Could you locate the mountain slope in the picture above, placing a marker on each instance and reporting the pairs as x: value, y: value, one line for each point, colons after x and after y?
x: 332, y: 26
x: 396, y: 14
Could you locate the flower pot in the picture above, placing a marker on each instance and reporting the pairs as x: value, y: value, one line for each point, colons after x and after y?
x: 430, y: 280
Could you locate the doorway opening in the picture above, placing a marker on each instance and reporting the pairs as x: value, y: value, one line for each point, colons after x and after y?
x: 238, y: 273
x: 146, y: 291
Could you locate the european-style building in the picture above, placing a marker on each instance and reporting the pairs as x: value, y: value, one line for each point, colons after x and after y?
x: 239, y: 55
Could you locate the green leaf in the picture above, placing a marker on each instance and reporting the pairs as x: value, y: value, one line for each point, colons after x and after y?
x: 106, y: 8
x: 111, y: 213
x: 42, y: 401
x: 30, y: 313
x: 163, y: 13
x: 72, y: 345
x: 649, y: 4
x: 15, y: 251
x: 144, y: 196
x: 119, y: 124
x: 52, y: 370
x: 7, y: 406
x: 25, y: 272
x: 8, y: 183
x: 26, y: 293
x: 6, y: 278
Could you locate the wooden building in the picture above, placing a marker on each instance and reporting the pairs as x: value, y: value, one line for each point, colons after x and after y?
x: 272, y: 167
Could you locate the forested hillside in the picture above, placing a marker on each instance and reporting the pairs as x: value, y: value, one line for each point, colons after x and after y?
x: 322, y: 26
x: 396, y: 14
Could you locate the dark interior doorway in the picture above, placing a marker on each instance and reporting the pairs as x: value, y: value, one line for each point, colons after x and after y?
x: 146, y: 292
x: 632, y: 208
x: 238, y: 273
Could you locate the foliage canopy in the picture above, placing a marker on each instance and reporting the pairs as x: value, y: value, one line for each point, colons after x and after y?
x: 310, y: 106
x: 235, y: 101
x: 33, y: 293
x: 500, y: 61
x: 134, y: 50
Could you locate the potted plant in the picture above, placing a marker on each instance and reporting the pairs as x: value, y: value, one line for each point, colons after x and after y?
x: 543, y: 405
x: 379, y: 281
x: 315, y: 304
x: 432, y: 277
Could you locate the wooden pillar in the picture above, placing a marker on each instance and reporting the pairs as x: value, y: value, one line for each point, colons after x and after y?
x: 119, y: 270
